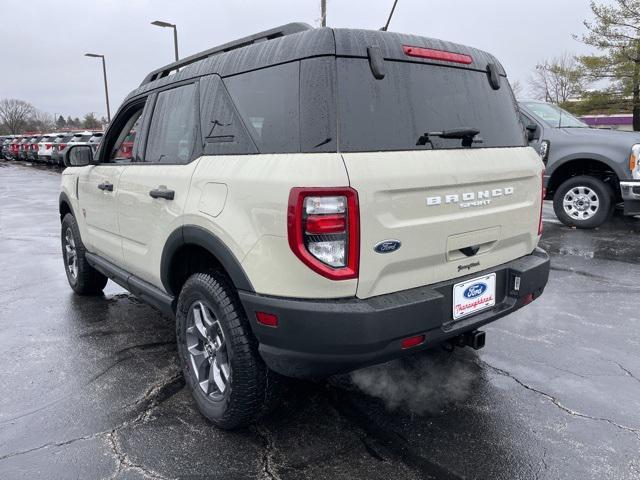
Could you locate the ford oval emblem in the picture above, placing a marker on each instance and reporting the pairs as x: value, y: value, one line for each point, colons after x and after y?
x: 475, y: 290
x: 387, y: 246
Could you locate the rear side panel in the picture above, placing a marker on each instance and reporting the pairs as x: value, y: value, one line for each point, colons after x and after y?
x: 438, y: 203
x: 242, y: 200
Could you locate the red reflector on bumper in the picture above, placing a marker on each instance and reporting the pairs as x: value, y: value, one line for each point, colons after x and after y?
x: 267, y: 319
x: 412, y: 341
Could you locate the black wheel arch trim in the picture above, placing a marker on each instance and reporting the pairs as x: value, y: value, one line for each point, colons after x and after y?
x: 198, y: 236
x: 64, y: 199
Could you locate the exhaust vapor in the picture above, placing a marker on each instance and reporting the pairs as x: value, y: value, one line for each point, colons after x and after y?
x: 424, y: 383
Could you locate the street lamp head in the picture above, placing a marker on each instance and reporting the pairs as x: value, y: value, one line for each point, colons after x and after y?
x: 159, y: 23
x: 93, y: 55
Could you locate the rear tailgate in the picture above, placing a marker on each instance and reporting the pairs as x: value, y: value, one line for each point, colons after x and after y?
x: 458, y: 202
x: 438, y: 205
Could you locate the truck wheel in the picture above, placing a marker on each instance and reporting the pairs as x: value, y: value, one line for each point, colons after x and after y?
x: 219, y: 355
x: 82, y: 277
x: 583, y: 202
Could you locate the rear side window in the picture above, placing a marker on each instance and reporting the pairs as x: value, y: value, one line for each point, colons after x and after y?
x: 172, y: 133
x: 223, y: 132
x: 414, y: 99
x: 267, y: 101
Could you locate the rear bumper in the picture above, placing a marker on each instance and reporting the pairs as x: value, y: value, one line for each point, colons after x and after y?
x: 318, y: 338
x: 631, y: 196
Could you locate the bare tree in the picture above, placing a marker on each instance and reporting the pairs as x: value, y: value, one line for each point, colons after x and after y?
x: 517, y: 88
x: 558, y: 79
x: 40, y: 121
x: 14, y: 114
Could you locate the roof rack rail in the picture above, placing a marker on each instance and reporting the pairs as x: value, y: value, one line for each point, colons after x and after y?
x: 284, y: 30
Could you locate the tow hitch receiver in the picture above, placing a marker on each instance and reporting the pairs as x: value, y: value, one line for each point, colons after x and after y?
x: 473, y: 339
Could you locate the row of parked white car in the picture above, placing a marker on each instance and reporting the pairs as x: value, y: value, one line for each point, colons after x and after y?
x: 45, y: 148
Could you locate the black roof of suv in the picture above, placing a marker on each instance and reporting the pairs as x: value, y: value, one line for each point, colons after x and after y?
x: 297, y: 41
x: 305, y: 66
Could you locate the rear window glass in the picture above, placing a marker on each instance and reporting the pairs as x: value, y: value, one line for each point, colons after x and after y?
x: 414, y: 99
x: 84, y: 138
x: 267, y: 101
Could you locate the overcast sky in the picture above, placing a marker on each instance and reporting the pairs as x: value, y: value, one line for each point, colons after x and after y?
x: 43, y: 44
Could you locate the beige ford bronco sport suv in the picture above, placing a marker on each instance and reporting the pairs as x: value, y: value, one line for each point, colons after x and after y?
x: 309, y: 201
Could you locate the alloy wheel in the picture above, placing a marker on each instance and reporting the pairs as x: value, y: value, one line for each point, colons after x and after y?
x: 207, y: 349
x: 71, y: 254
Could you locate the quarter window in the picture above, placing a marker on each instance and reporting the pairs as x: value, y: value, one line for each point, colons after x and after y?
x: 172, y: 133
x: 267, y: 101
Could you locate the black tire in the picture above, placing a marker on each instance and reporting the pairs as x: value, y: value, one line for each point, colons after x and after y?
x: 589, y: 202
x: 250, y: 388
x: 83, y: 279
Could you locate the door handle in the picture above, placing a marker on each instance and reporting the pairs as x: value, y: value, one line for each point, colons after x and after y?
x: 106, y: 187
x: 162, y: 192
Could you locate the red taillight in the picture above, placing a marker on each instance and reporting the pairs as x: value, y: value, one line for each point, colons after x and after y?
x: 323, y: 226
x: 61, y: 146
x: 543, y: 195
x: 437, y: 55
x: 412, y: 341
x: 267, y: 319
x: 47, y: 146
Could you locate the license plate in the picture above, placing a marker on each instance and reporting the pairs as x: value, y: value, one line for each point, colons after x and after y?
x: 474, y: 296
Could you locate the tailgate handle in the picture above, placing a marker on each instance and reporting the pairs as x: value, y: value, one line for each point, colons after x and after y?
x: 470, y: 251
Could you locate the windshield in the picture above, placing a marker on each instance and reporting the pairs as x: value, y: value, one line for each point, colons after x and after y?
x: 416, y: 99
x: 554, y: 116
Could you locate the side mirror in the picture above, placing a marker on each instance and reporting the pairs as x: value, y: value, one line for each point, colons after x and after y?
x: 78, y: 156
x: 532, y: 129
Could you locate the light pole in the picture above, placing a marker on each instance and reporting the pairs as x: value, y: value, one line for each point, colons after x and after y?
x: 159, y: 23
x: 106, y: 88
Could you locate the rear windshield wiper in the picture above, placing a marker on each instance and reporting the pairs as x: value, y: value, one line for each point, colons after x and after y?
x: 467, y: 136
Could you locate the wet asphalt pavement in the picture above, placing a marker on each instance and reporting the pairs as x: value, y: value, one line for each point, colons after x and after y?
x: 90, y: 388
